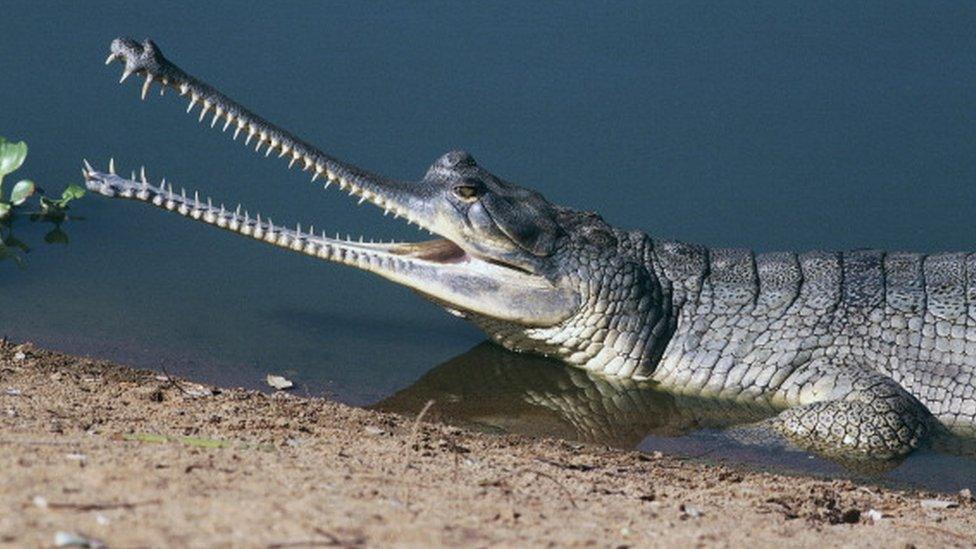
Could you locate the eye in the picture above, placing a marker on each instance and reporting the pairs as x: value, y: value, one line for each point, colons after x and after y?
x: 466, y: 191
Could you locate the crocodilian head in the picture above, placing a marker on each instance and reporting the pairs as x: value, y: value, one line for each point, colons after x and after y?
x: 506, y: 257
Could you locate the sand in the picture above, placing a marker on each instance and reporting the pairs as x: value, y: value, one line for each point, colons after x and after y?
x: 130, y: 458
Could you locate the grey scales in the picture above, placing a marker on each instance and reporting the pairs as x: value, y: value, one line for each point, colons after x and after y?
x: 862, y: 354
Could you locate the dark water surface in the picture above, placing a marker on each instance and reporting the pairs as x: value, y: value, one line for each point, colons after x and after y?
x: 779, y: 125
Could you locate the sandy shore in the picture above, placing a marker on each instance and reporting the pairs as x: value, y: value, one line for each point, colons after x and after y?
x: 131, y: 459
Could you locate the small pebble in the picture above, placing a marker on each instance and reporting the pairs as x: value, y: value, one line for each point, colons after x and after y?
x: 71, y: 539
x: 19, y: 356
x: 690, y: 511
x: 874, y: 515
x: 936, y: 504
x: 376, y: 431
x: 13, y: 392
x: 279, y: 382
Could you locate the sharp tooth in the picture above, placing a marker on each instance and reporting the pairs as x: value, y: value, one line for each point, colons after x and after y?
x: 184, y: 88
x: 315, y: 176
x: 251, y: 130
x: 206, y: 107
x: 146, y: 85
x: 193, y: 101
x: 142, y: 174
x: 284, y: 150
x: 237, y: 132
x: 111, y: 57
x: 308, y: 163
x: 218, y: 112
x: 183, y: 193
x: 125, y: 74
x: 238, y: 210
x: 258, y: 146
x: 230, y: 118
x: 386, y: 211
x: 327, y: 183
x: 88, y: 167
x: 196, y: 196
x: 111, y: 166
x: 361, y: 200
x: 132, y: 175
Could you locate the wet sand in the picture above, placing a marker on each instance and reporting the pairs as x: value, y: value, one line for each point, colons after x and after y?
x: 132, y: 458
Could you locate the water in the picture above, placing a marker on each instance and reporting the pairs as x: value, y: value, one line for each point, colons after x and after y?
x: 778, y: 126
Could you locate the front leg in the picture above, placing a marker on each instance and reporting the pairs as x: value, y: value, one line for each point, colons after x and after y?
x: 850, y: 412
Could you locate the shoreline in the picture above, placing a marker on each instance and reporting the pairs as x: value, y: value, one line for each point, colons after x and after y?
x: 132, y: 458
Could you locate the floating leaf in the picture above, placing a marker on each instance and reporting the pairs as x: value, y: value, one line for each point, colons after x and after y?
x: 73, y: 192
x: 22, y: 191
x: 12, y: 155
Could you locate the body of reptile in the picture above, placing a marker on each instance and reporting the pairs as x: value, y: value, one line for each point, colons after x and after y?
x: 865, y: 352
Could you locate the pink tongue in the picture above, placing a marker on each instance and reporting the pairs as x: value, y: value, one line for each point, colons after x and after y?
x: 439, y: 251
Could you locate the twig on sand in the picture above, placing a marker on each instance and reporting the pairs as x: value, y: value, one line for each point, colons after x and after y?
x: 501, y: 481
x: 172, y: 381
x: 331, y: 540
x: 106, y: 506
x: 410, y: 444
x: 935, y: 530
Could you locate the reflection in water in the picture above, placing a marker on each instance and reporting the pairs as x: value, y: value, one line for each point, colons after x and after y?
x: 494, y: 389
x: 14, y: 250
x: 491, y: 389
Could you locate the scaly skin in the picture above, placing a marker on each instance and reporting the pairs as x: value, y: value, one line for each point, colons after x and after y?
x: 865, y: 353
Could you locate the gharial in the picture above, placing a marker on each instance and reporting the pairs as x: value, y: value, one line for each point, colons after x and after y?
x: 866, y: 353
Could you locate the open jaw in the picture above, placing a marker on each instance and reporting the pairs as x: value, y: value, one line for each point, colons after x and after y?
x: 441, y: 269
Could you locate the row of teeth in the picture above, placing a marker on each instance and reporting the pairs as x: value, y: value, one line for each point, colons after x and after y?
x: 318, y: 169
x: 238, y: 220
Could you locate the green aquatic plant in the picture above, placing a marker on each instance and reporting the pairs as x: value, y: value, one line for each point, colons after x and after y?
x: 12, y: 156
x: 52, y: 210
